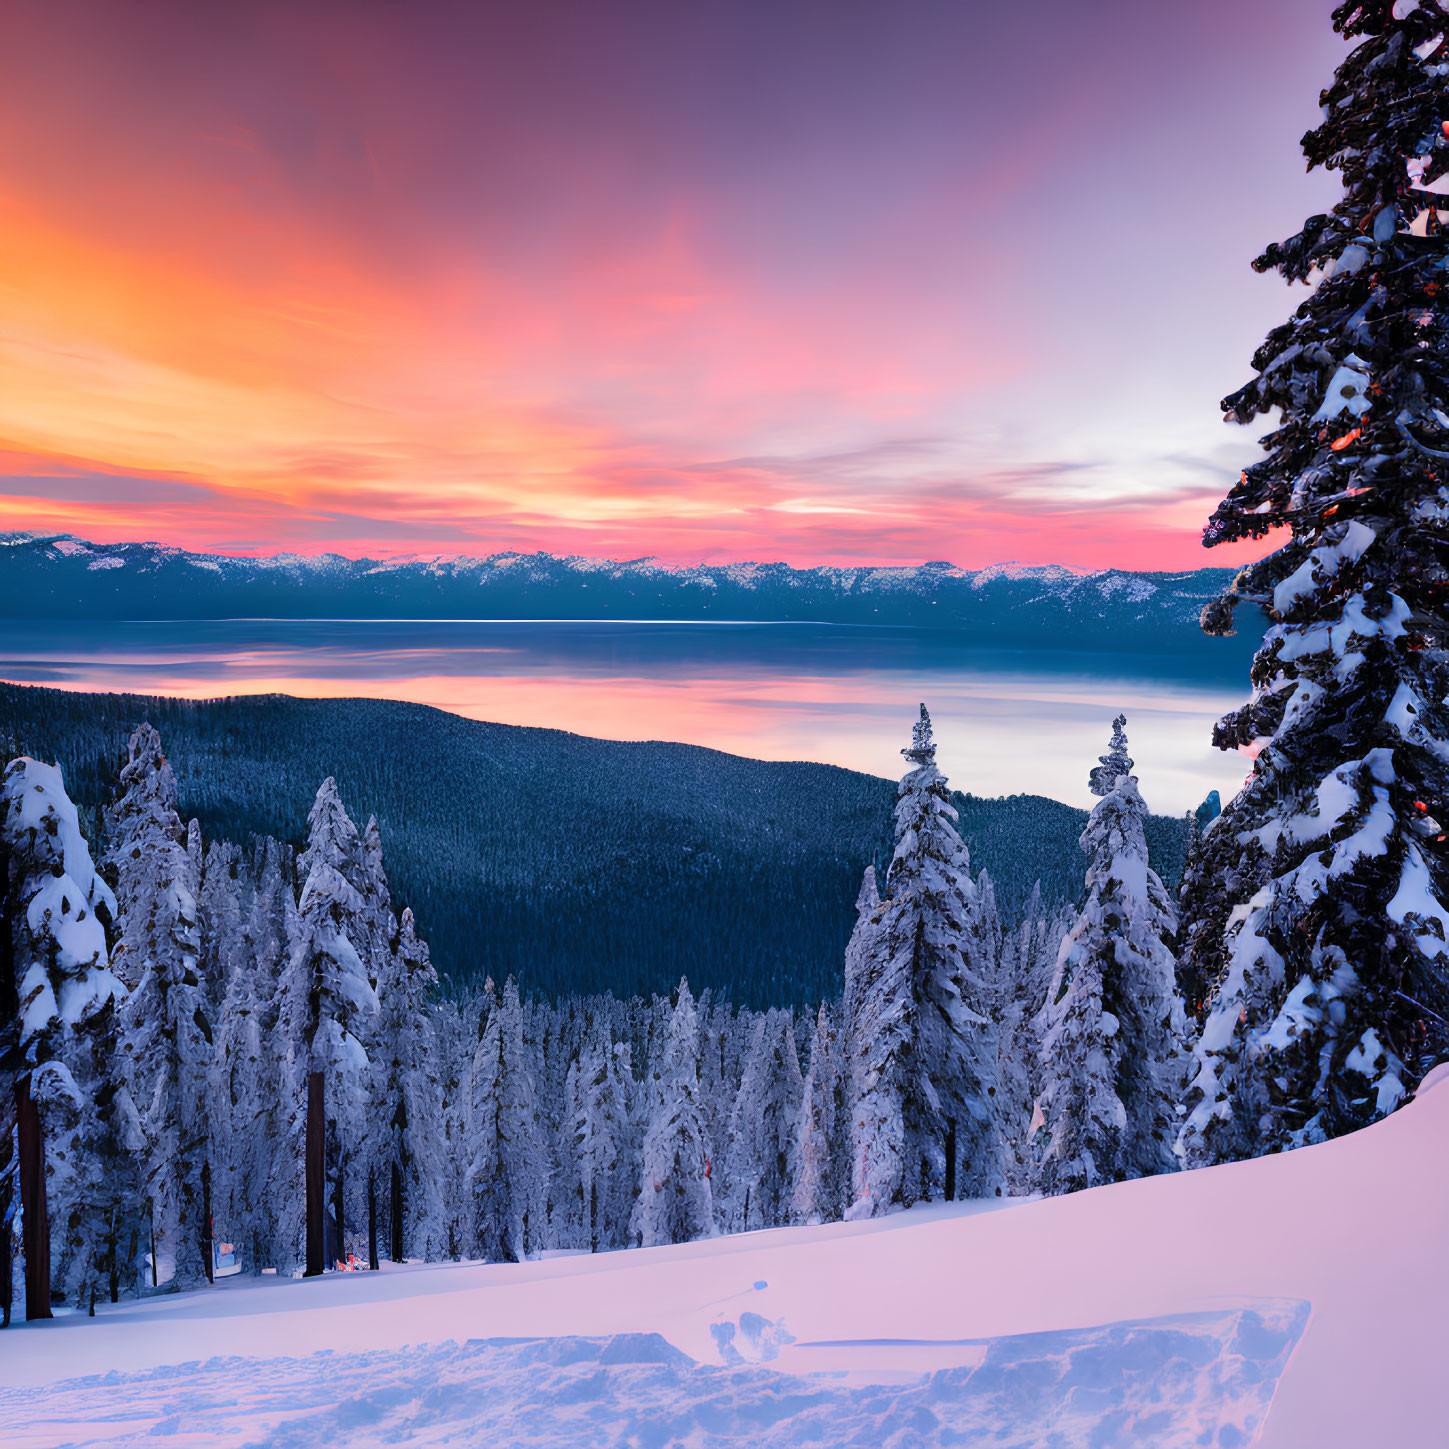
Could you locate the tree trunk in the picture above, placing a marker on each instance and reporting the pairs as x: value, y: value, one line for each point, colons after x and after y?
x: 208, y: 1247
x: 593, y: 1217
x: 151, y: 1227
x: 35, y: 1238
x: 316, y: 1186
x: 950, y: 1159
x: 371, y: 1222
x: 396, y: 1213
x: 337, y: 1211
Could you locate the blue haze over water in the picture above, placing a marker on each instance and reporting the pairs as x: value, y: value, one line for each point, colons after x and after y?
x: 1008, y: 720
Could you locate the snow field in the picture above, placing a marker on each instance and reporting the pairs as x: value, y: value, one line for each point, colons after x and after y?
x: 1202, y: 1280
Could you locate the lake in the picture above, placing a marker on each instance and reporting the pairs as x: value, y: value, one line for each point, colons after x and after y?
x: 1007, y: 720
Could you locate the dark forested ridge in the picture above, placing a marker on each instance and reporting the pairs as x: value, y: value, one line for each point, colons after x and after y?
x: 574, y: 864
x: 59, y: 577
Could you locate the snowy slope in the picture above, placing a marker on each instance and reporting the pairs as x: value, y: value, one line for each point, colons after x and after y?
x: 1310, y: 1288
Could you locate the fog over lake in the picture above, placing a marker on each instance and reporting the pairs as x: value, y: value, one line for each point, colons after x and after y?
x: 1008, y: 721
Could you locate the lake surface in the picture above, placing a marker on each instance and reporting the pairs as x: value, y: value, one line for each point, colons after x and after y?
x: 1007, y: 721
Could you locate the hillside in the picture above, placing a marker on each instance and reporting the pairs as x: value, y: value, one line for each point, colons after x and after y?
x: 1289, y: 1301
x: 60, y: 577
x: 575, y: 864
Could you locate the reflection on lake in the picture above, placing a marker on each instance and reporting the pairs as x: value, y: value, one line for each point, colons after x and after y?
x: 1008, y: 721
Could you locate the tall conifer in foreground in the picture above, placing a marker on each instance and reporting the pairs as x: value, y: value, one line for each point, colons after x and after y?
x: 1112, y: 1023
x: 327, y: 1012
x: 1317, y: 905
x: 78, y: 1128
x: 923, y: 1045
x: 165, y: 1034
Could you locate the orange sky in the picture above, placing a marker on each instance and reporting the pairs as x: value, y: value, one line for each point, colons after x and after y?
x: 822, y: 283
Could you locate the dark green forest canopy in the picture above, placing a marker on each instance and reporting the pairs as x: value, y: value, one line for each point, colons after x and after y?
x: 574, y: 864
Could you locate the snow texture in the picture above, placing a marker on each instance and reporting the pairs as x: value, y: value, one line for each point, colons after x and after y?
x: 1216, y: 1307
x: 1168, y: 1381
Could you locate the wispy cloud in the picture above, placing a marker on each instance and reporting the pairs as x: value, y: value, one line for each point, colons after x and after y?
x: 701, y: 281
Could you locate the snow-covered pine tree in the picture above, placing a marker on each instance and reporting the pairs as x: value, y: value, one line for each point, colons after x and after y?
x: 508, y: 1185
x: 1317, y: 917
x: 858, y: 951
x: 77, y: 1163
x: 455, y: 1025
x: 1112, y: 1026
x: 165, y: 1035
x: 764, y: 1126
x: 822, y: 1150
x: 720, y: 1039
x: 222, y: 902
x: 380, y: 924
x: 408, y: 1100
x: 923, y: 1045
x: 1026, y: 964
x: 327, y: 1011
x: 675, y: 1202
x: 255, y: 1188
x: 243, y: 1095
x: 878, y: 1012
x: 600, y: 1141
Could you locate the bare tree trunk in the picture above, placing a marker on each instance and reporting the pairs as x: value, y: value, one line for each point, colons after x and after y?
x: 950, y: 1159
x: 316, y: 1186
x: 35, y: 1238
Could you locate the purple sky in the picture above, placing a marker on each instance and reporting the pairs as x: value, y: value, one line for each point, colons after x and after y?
x: 827, y: 281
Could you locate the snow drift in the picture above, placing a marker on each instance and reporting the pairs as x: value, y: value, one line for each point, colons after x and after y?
x: 1284, y: 1302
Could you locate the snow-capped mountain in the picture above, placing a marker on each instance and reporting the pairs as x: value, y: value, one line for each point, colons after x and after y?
x: 58, y: 576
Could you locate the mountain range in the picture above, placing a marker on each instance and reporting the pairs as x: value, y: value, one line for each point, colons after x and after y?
x: 62, y: 577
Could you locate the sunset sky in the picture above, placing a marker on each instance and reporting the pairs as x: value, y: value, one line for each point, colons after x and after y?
x: 734, y: 279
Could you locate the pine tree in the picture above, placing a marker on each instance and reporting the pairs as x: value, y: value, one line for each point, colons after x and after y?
x: 380, y: 925
x: 509, y: 1188
x: 600, y: 1141
x: 1110, y: 1034
x: 1026, y: 965
x: 259, y: 1200
x: 455, y: 1025
x: 764, y: 1126
x: 879, y: 1013
x: 676, y: 1201
x: 408, y: 1099
x: 80, y: 1169
x: 165, y: 1035
x: 922, y: 1041
x: 1317, y: 917
x: 243, y: 1094
x: 328, y: 1010
x: 822, y: 1147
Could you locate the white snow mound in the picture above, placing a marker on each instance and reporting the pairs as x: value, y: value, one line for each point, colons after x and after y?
x: 1289, y: 1301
